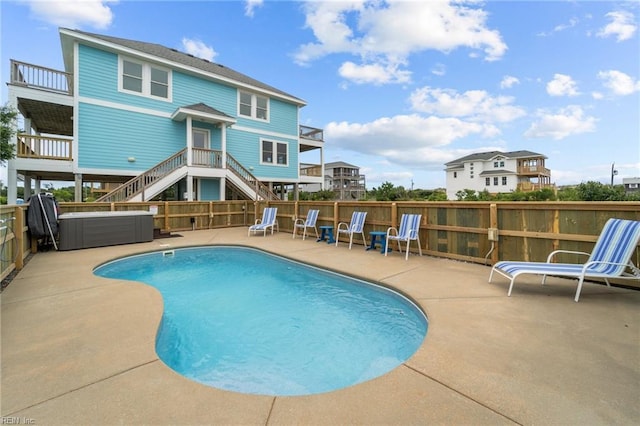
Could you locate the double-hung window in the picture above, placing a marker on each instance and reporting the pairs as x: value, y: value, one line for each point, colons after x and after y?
x: 274, y: 153
x: 253, y: 106
x: 145, y: 79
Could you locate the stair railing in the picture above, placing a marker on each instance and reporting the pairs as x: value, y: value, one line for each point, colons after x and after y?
x: 138, y: 184
x: 261, y: 190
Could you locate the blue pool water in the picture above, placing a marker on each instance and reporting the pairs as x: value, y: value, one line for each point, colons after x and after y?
x: 244, y: 320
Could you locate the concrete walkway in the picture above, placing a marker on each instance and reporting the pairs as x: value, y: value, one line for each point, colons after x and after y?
x: 78, y: 349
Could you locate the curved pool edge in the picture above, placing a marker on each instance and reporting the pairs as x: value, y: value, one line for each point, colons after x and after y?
x: 393, y: 292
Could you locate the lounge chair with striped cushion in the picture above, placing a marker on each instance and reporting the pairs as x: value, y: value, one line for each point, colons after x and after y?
x: 409, y: 230
x: 356, y: 226
x: 610, y: 258
x: 309, y: 222
x: 268, y: 221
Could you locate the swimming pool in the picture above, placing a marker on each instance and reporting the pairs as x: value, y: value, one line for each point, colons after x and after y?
x: 244, y: 320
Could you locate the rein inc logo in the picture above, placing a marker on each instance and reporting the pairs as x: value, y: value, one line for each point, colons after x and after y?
x: 17, y: 421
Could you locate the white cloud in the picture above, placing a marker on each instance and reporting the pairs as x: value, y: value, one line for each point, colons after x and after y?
x: 561, y: 27
x: 373, y: 73
x: 572, y: 23
x: 508, y: 82
x: 568, y: 121
x: 389, y: 32
x: 562, y: 85
x: 73, y: 13
x: 597, y: 95
x: 622, y: 26
x: 404, y: 139
x: 439, y: 70
x: 618, y: 82
x: 477, y: 105
x: 198, y: 49
x: 250, y: 6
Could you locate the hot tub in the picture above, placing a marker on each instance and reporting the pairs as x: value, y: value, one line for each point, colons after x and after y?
x: 98, y: 229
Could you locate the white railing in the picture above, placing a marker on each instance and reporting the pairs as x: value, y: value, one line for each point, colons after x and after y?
x: 39, y: 77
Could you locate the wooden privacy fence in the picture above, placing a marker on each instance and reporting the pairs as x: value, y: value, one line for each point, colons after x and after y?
x: 456, y: 230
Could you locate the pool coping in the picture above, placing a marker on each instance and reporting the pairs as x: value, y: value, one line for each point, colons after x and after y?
x: 71, y: 342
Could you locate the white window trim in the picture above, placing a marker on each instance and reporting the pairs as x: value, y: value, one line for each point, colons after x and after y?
x: 274, y: 157
x: 254, y: 107
x: 146, y: 80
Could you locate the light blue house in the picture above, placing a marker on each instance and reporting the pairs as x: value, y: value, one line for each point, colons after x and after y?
x: 139, y: 118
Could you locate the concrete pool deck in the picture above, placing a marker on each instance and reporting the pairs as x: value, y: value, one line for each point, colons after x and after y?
x: 78, y: 349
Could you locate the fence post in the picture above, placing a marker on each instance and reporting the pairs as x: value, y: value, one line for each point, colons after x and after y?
x: 166, y: 215
x: 18, y: 234
x: 493, y: 219
x: 394, y: 215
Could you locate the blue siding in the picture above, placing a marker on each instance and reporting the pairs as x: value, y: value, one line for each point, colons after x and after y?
x: 189, y: 90
x: 245, y: 147
x: 98, y: 79
x: 107, y: 137
x: 209, y: 189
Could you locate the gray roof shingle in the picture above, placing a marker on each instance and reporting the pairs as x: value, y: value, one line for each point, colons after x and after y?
x: 484, y: 156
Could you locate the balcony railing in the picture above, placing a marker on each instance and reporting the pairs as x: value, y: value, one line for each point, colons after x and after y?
x: 311, y: 133
x: 41, y: 77
x: 533, y: 170
x: 314, y: 171
x: 44, y: 147
x: 529, y: 186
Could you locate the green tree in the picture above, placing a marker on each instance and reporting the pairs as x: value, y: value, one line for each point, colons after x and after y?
x: 8, y: 118
x: 466, y: 195
x: 596, y: 191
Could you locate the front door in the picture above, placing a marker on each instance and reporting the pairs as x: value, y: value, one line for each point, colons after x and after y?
x: 201, y: 146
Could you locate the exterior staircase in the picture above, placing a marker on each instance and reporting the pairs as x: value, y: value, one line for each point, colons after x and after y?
x: 155, y: 180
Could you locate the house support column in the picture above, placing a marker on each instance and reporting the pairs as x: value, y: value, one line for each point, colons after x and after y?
x: 223, y: 189
x: 27, y: 187
x: 322, y: 185
x: 37, y: 188
x: 296, y: 192
x: 189, y: 145
x: 12, y: 183
x: 12, y: 173
x: 223, y: 144
x: 78, y: 188
x: 189, y: 188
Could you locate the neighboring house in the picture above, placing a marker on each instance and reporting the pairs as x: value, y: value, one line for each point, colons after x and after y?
x: 151, y: 118
x: 631, y: 185
x: 343, y: 179
x: 498, y: 172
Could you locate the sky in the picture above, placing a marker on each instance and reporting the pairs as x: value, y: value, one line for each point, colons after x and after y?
x: 401, y: 87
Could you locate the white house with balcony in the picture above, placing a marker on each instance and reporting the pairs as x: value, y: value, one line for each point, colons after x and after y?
x: 497, y: 172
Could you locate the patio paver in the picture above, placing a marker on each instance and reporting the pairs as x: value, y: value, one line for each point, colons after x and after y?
x: 79, y: 349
